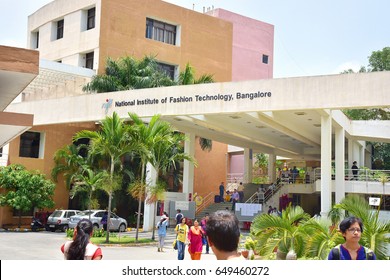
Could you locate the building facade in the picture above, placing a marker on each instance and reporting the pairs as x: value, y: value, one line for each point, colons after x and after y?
x: 85, y: 33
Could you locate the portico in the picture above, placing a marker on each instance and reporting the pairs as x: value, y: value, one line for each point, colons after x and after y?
x: 290, y: 117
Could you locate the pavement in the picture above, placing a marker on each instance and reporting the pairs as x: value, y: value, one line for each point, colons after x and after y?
x: 45, y: 245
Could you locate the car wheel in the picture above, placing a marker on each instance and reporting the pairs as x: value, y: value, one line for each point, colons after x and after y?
x: 52, y: 229
x: 122, y: 228
x: 65, y: 228
x: 95, y: 227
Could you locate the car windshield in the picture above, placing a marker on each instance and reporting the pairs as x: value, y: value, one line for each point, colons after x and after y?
x: 86, y: 213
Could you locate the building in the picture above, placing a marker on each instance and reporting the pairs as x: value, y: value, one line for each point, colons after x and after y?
x: 84, y: 33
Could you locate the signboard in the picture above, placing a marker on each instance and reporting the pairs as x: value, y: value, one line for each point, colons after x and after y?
x: 374, y: 201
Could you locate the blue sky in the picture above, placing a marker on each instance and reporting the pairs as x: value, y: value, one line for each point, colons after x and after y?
x: 311, y: 37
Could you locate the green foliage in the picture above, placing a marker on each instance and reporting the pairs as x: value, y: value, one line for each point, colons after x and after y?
x: 128, y: 73
x: 25, y: 189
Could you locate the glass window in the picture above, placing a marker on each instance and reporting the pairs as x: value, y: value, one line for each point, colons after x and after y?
x: 60, y: 29
x: 91, y: 18
x: 160, y: 31
x: 89, y: 60
x: 29, y: 144
x: 168, y: 69
x: 265, y: 59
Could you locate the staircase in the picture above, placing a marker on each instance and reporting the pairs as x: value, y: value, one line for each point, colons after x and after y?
x: 213, y: 208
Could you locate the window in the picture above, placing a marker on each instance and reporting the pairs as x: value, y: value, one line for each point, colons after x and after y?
x: 60, y: 29
x: 30, y: 144
x: 91, y: 18
x: 265, y: 59
x: 35, y: 40
x: 160, y: 31
x: 168, y: 69
x: 89, y: 60
x: 1, y: 151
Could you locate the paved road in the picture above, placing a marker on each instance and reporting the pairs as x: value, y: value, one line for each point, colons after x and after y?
x: 45, y: 245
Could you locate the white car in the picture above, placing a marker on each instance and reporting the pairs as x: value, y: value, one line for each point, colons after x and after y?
x: 117, y: 223
x: 59, y: 219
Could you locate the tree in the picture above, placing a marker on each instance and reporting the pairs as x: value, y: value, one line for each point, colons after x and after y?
x: 25, y: 189
x: 129, y: 73
x: 112, y: 141
x: 160, y: 149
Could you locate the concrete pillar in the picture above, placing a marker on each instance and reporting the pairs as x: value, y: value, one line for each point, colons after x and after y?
x: 188, y: 168
x: 340, y: 164
x: 326, y: 160
x: 149, y: 209
x: 248, y: 156
x: 272, y: 167
x: 362, y: 148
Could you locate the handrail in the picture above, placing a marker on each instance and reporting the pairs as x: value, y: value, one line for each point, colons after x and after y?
x: 364, y: 174
x: 264, y: 197
x: 207, y: 200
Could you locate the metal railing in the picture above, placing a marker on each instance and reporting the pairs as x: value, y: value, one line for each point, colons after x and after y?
x: 262, y: 197
x: 364, y: 174
x: 208, y: 199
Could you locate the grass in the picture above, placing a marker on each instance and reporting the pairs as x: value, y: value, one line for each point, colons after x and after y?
x: 122, y: 240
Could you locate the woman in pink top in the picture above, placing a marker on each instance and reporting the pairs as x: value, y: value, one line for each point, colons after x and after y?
x: 195, y: 238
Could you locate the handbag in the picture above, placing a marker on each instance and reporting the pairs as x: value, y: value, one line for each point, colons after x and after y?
x: 175, y: 244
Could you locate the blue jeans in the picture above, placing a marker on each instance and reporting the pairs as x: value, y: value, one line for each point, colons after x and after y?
x: 181, y: 246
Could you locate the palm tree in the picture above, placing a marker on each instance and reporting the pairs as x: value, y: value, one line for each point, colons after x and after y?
x: 282, y: 233
x: 376, y: 233
x: 113, y: 141
x: 129, y: 73
x: 165, y: 152
x: 88, y: 182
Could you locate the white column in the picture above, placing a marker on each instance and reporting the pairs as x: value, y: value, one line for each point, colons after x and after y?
x: 362, y: 147
x: 272, y: 167
x: 340, y: 163
x: 247, y: 165
x: 188, y: 168
x: 326, y: 159
x: 149, y: 209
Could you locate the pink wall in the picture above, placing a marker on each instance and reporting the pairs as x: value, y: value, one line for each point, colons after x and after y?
x: 236, y: 163
x: 251, y: 39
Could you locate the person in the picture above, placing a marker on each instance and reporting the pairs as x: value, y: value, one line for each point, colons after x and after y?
x: 235, y: 199
x: 195, y: 245
x: 181, y: 238
x: 162, y: 232
x: 178, y: 216
x: 270, y: 209
x: 203, y: 223
x: 351, y: 228
x: 240, y: 190
x: 223, y: 234
x: 221, y: 192
x: 104, y: 220
x: 228, y: 197
x: 80, y: 248
x: 295, y: 174
x: 354, y: 171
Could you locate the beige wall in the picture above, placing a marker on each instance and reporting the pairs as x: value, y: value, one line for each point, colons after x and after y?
x: 205, y: 41
x: 56, y: 137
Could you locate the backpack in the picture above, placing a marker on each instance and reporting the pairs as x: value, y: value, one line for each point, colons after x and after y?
x: 336, y: 253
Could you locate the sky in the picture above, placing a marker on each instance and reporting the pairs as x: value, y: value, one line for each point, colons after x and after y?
x: 311, y: 37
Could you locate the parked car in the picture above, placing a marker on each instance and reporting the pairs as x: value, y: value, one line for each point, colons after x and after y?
x: 59, y: 219
x: 117, y: 223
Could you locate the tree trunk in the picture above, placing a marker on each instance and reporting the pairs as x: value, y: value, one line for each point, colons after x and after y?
x: 139, y: 203
x: 109, y: 201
